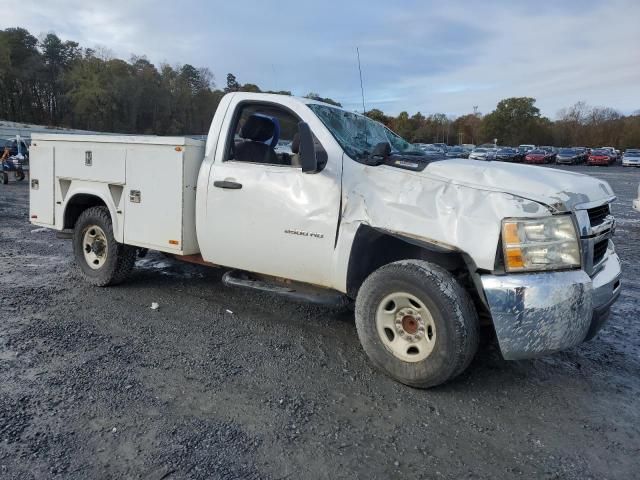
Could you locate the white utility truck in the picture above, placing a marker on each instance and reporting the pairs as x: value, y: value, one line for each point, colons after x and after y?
x: 344, y: 209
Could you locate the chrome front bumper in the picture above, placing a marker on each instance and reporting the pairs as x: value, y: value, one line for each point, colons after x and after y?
x: 539, y: 313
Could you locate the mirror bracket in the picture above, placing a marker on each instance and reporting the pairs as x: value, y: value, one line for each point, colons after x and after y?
x: 380, y: 153
x: 308, y: 158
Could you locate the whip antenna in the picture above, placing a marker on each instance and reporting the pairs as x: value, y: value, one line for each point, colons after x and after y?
x: 364, y: 111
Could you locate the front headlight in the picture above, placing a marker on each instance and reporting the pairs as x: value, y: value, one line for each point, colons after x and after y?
x: 548, y: 243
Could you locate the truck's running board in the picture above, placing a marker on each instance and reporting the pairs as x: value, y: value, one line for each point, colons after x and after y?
x: 66, y: 234
x: 300, y: 292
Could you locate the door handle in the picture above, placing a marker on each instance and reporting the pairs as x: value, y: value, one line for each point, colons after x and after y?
x: 227, y: 184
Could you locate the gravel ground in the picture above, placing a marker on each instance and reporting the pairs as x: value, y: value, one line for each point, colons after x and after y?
x: 226, y: 383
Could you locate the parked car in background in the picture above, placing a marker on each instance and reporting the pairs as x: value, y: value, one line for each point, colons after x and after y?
x: 568, y: 156
x: 537, y: 156
x: 428, y: 146
x: 443, y: 146
x: 600, y: 156
x: 551, y: 151
x: 508, y: 154
x: 631, y: 157
x: 583, y: 153
x: 457, y: 152
x: 613, y: 153
x: 468, y: 146
x: 480, y: 153
x: 491, y: 153
x: 431, y: 151
x: 526, y: 148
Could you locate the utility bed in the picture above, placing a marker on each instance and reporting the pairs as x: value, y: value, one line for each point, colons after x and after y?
x: 150, y: 180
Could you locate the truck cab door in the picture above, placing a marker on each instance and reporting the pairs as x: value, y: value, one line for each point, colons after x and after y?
x: 263, y: 213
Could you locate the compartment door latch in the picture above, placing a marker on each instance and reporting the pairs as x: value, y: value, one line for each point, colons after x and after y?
x: 134, y: 196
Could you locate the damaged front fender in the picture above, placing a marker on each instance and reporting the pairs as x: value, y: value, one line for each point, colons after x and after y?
x: 436, y: 212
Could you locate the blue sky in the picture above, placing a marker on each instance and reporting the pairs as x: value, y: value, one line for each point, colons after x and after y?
x: 423, y: 56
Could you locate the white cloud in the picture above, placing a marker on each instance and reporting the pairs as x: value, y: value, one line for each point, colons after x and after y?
x: 429, y: 56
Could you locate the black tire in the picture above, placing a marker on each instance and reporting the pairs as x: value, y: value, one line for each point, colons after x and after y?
x: 5, y: 178
x: 451, y: 308
x: 120, y: 258
x: 20, y: 175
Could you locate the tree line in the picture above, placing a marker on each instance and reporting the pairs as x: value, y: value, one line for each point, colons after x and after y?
x: 59, y: 83
x: 517, y: 121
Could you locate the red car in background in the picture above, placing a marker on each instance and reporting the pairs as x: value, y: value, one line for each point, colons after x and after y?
x: 537, y: 156
x: 600, y: 157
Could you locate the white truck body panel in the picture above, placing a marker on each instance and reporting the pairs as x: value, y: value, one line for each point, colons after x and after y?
x: 283, y: 222
x: 163, y: 170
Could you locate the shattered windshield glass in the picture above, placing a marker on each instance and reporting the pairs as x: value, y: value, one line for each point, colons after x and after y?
x: 357, y: 134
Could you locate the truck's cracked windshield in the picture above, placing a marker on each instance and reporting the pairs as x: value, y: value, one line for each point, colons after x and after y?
x: 358, y: 135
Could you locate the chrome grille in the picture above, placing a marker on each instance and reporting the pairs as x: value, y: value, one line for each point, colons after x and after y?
x: 599, y: 249
x: 598, y: 214
x: 596, y: 226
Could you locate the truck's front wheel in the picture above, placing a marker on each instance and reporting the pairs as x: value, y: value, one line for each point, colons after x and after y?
x: 416, y: 323
x: 102, y: 261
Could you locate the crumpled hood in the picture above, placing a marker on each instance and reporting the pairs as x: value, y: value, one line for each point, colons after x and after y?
x: 559, y: 189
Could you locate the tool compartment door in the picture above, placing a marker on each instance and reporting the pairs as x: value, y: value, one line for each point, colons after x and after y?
x: 99, y: 162
x: 153, y: 198
x: 41, y: 178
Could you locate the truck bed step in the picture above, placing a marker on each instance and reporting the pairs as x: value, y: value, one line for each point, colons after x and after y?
x: 299, y: 292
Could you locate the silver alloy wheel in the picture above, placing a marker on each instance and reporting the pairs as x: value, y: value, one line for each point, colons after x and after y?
x: 406, y: 327
x: 94, y: 246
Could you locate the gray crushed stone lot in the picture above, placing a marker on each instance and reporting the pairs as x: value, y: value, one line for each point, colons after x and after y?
x: 226, y: 383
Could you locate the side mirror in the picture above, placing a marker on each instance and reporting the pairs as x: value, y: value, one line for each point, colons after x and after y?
x: 381, y: 151
x: 307, y: 150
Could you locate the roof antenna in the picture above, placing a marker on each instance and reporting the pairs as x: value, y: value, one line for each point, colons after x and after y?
x: 364, y: 111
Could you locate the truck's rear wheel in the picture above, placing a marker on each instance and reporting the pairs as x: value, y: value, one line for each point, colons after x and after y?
x: 102, y: 261
x: 416, y: 323
x: 5, y: 178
